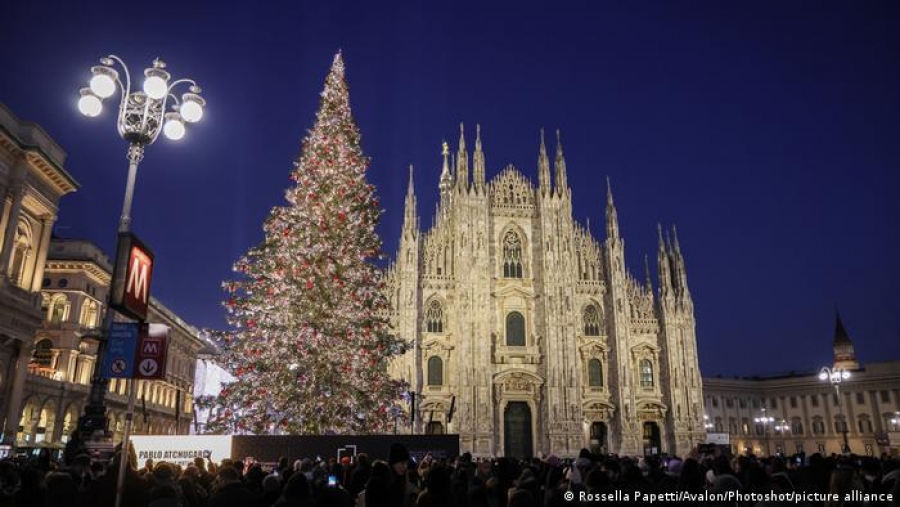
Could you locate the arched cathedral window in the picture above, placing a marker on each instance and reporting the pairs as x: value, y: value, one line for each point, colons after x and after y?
x: 512, y: 255
x: 646, y: 373
x: 595, y: 373
x: 434, y: 317
x: 435, y: 371
x: 515, y: 330
x: 591, y: 321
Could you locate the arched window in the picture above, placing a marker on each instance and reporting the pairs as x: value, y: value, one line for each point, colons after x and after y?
x: 840, y: 425
x: 89, y: 313
x: 58, y: 309
x: 435, y: 371
x: 865, y: 425
x: 515, y: 329
x: 646, y: 373
x: 21, y: 251
x: 591, y: 321
x: 512, y: 255
x: 818, y: 426
x: 595, y: 373
x: 434, y: 317
x: 43, y: 355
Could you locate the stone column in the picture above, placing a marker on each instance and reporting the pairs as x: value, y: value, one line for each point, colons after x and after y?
x: 40, y: 259
x: 9, y: 236
x: 14, y: 407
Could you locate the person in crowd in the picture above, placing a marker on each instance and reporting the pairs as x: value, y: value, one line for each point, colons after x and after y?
x: 229, y: 491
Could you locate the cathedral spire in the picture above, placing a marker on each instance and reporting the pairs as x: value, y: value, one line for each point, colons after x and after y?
x: 410, y: 219
x: 612, y: 216
x: 680, y: 275
x: 647, y: 282
x: 663, y: 266
x: 559, y: 167
x: 446, y: 181
x: 478, y: 161
x: 543, y: 168
x: 462, y: 163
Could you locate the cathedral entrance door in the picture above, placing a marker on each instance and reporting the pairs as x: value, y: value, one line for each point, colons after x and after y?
x: 598, y: 437
x: 651, y: 438
x: 517, y: 436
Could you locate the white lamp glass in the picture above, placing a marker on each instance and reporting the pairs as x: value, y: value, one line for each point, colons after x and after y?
x: 155, y: 87
x: 173, y: 129
x: 191, y: 111
x: 103, y: 86
x: 90, y: 105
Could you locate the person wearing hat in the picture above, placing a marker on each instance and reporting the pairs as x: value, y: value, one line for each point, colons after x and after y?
x: 402, y: 492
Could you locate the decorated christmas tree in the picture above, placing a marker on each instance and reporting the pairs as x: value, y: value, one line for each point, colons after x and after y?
x: 310, y: 344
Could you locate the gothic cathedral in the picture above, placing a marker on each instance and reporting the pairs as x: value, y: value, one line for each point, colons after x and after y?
x: 530, y: 336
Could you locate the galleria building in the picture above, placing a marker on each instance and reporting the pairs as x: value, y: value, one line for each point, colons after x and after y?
x: 531, y: 336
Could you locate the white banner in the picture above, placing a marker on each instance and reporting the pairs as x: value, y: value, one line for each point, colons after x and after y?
x: 718, y: 438
x: 181, y: 449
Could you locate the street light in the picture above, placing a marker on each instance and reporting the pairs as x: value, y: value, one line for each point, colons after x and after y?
x: 706, y: 424
x: 895, y: 421
x: 765, y: 421
x: 142, y: 114
x: 836, y: 376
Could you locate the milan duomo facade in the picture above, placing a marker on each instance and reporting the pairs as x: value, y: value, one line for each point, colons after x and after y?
x: 531, y: 335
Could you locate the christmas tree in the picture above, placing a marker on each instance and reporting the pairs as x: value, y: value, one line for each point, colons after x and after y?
x: 310, y: 343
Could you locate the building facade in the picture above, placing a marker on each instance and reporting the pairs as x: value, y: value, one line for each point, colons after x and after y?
x: 807, y: 414
x: 32, y: 182
x: 57, y: 386
x: 528, y: 334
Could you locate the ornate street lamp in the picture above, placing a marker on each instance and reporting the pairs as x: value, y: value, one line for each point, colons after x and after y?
x: 765, y: 420
x: 836, y: 376
x: 142, y: 115
x: 706, y: 424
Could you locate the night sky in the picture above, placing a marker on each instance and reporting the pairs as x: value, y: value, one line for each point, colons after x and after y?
x: 769, y: 132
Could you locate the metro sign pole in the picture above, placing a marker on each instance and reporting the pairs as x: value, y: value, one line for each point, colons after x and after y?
x: 130, y: 295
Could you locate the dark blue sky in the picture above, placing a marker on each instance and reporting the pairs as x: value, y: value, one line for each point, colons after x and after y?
x: 768, y: 131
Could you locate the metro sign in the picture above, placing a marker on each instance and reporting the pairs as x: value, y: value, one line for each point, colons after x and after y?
x: 131, y: 277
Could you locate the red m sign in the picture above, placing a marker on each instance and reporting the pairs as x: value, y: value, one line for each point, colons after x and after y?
x: 132, y: 276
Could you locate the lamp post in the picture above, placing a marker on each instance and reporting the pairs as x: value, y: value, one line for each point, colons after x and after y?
x: 142, y: 115
x: 836, y: 376
x: 781, y: 428
x: 765, y: 420
x: 706, y: 424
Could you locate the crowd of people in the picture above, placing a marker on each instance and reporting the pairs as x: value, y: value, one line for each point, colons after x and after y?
x: 400, y: 481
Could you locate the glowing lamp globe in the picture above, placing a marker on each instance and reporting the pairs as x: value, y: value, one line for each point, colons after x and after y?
x: 155, y: 87
x: 89, y: 104
x: 174, y: 127
x: 103, y: 85
x: 823, y: 376
x: 191, y: 111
